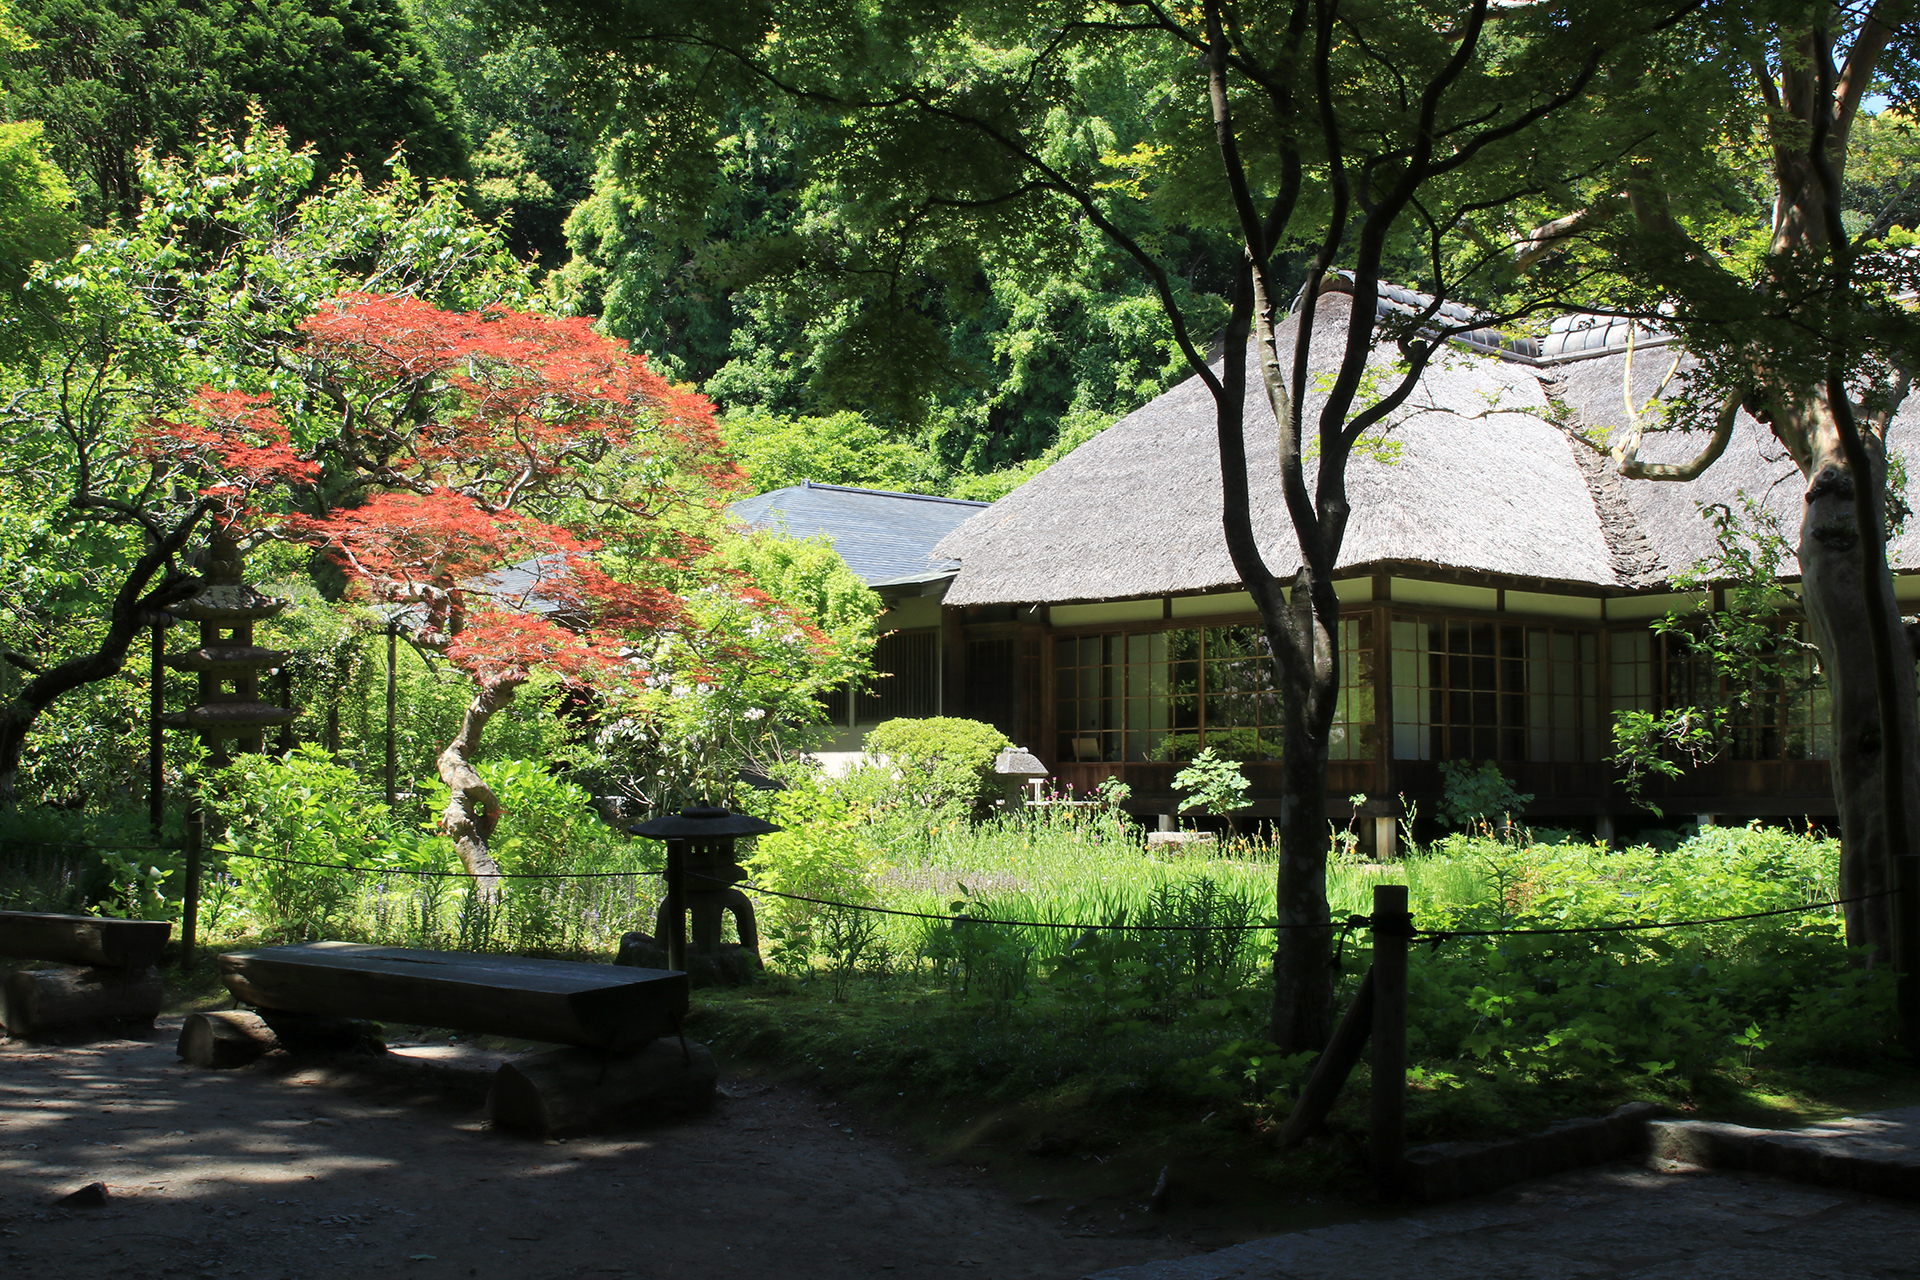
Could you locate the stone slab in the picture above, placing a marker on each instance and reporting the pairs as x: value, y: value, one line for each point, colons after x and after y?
x: 1455, y: 1170
x: 1878, y: 1153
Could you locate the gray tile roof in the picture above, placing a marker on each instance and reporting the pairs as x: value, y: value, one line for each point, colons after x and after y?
x: 881, y: 535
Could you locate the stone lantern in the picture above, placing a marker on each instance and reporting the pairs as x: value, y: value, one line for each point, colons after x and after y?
x: 1020, y: 773
x: 701, y: 875
x: 229, y: 665
x: 227, y: 661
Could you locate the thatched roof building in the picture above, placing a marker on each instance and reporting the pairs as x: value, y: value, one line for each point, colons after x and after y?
x: 1479, y: 481
x: 1498, y: 578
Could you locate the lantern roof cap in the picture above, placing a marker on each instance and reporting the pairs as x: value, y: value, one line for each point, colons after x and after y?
x: 1018, y: 762
x: 702, y: 822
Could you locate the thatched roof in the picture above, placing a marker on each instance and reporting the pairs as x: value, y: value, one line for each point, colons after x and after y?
x: 1136, y: 510
x: 1754, y: 463
x: 1480, y: 484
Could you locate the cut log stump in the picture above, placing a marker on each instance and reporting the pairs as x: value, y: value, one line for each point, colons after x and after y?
x: 93, y: 941
x: 572, y: 1090
x: 35, y: 1001
x: 222, y: 1040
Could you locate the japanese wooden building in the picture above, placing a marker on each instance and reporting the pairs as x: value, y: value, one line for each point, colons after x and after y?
x: 1498, y: 580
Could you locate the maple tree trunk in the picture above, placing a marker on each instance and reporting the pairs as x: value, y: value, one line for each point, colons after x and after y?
x: 1835, y: 594
x: 472, y: 809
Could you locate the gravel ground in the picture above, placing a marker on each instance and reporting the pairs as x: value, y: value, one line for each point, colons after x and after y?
x: 287, y: 1170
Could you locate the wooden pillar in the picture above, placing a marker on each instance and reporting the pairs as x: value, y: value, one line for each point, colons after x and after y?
x: 156, y: 753
x: 1383, y: 779
x: 393, y: 653
x: 1387, y: 1134
x: 953, y: 662
x: 1031, y: 678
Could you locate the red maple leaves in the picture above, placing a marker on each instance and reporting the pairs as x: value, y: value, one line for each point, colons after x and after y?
x: 474, y: 463
x: 496, y: 449
x: 494, y: 403
x: 238, y: 448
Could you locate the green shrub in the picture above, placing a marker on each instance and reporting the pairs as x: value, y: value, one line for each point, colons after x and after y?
x: 547, y: 826
x: 1213, y: 783
x: 303, y: 808
x: 102, y: 861
x: 1472, y: 795
x: 943, y: 762
x: 821, y: 851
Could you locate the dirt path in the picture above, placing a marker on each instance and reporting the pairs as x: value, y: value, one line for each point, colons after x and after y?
x: 285, y: 1171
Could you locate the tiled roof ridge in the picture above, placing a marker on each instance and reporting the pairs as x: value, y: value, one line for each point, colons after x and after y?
x: 1569, y: 337
x: 886, y: 493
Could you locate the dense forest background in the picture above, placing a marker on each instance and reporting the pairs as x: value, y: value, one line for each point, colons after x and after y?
x: 837, y: 348
x: 835, y: 351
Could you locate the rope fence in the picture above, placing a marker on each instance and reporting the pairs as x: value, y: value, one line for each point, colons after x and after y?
x: 89, y: 848
x: 1351, y: 923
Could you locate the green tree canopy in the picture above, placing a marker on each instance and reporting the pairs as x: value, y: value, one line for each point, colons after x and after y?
x: 36, y: 224
x: 232, y: 247
x: 767, y: 276
x: 109, y: 77
x: 1370, y: 133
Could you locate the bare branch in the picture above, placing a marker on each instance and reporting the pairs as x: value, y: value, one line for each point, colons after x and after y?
x: 1627, y: 462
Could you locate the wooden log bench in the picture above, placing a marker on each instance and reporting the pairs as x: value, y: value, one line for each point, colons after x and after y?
x: 105, y: 971
x: 610, y: 1017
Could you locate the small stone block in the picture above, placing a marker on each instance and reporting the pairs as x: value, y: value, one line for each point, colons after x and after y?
x: 91, y: 1196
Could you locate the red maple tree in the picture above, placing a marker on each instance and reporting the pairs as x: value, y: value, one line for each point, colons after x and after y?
x: 522, y: 484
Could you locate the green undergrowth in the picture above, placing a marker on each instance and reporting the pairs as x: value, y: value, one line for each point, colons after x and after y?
x: 1157, y: 1038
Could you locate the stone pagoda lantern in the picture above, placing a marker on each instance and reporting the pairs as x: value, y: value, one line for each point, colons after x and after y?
x: 229, y: 665
x: 701, y: 875
x: 227, y: 661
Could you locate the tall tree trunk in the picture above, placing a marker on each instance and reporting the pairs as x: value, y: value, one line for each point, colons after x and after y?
x: 1835, y: 594
x: 1302, y: 1014
x: 473, y: 811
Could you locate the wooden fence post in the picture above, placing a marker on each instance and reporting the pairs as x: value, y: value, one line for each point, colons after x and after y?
x: 156, y: 745
x: 196, y: 827
x: 1387, y: 1138
x: 393, y: 646
x: 1333, y: 1068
